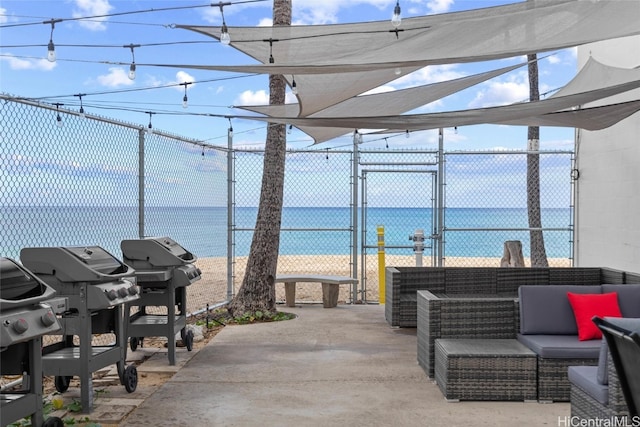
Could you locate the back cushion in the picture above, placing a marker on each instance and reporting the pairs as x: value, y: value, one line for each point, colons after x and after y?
x: 628, y: 298
x: 545, y: 309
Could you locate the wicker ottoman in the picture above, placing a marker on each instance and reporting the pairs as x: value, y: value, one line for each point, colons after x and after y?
x: 485, y: 369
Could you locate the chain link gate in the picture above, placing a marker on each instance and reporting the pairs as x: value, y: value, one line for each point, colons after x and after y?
x: 387, y: 176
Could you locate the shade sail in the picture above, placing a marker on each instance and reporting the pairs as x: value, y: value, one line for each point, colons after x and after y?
x: 594, y: 118
x: 502, y: 114
x: 324, y: 56
x: 388, y: 103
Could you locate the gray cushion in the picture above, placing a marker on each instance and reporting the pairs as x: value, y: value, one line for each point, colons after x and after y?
x: 585, y: 378
x: 545, y: 309
x: 603, y: 374
x: 628, y: 298
x: 561, y: 346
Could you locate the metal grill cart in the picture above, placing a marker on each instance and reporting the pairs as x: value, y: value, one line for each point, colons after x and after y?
x: 98, y: 286
x: 26, y: 314
x: 163, y: 270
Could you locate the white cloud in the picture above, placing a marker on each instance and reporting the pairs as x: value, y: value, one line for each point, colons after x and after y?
x: 16, y: 63
x: 183, y: 77
x: 249, y: 97
x: 3, y: 16
x: 439, y: 6
x: 514, y: 88
x: 92, y: 8
x: 116, y: 77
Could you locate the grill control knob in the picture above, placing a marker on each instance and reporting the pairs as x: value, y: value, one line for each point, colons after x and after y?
x: 20, y: 326
x: 133, y: 290
x: 112, y: 294
x: 48, y: 319
x: 123, y: 292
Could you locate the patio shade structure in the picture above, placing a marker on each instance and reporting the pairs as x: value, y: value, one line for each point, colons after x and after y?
x: 354, y: 58
x: 394, y: 102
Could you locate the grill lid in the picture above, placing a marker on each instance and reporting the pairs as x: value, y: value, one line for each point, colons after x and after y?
x: 19, y: 287
x: 75, y: 264
x: 155, y: 252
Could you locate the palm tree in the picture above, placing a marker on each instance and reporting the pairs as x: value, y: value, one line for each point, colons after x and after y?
x: 257, y: 292
x: 537, y: 249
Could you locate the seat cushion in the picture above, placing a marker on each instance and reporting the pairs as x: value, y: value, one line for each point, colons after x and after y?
x: 585, y: 378
x: 603, y: 363
x: 545, y: 309
x: 561, y: 346
x: 628, y: 298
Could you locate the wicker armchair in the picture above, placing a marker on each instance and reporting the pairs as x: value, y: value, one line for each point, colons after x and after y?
x: 462, y: 316
x: 585, y: 406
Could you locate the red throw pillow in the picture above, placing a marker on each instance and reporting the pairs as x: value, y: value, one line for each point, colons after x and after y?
x: 585, y: 306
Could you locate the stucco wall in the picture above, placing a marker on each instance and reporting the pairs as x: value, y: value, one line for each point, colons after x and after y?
x: 608, y: 189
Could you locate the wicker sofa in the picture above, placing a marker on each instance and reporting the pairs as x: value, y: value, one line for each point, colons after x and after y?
x: 548, y: 327
x: 596, y: 392
x: 402, y: 284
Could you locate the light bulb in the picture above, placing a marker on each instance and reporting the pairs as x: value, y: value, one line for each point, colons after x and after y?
x: 185, y: 104
x: 82, y: 116
x: 290, y: 129
x: 231, y: 132
x: 396, y: 19
x: 59, y: 120
x: 132, y: 71
x: 407, y: 134
x: 225, y: 37
x: 51, y: 52
x: 294, y: 88
x: 150, y: 129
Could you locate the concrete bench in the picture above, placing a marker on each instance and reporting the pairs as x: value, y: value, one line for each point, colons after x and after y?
x: 330, y: 286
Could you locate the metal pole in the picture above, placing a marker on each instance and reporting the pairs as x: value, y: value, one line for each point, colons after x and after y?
x: 381, y: 265
x: 354, y: 219
x: 230, y: 216
x: 440, y: 196
x: 141, y: 136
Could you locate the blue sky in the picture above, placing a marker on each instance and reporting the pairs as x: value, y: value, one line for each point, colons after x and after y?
x: 85, y: 48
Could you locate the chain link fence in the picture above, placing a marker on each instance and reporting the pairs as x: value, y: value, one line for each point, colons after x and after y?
x: 85, y: 183
x: 91, y: 181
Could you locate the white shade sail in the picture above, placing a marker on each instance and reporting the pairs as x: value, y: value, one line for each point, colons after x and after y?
x: 388, y: 103
x: 354, y: 58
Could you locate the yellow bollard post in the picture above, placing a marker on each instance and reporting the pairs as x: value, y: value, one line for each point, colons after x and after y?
x: 381, y: 265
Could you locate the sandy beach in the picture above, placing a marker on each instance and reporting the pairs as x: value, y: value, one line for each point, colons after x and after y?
x: 212, y: 288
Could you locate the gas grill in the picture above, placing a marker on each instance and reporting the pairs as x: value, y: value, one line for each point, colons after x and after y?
x: 163, y: 270
x: 97, y: 286
x: 26, y: 314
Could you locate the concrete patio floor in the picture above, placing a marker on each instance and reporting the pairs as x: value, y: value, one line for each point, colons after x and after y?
x: 328, y: 367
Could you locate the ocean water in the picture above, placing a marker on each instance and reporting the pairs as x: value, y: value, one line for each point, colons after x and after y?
x: 305, y: 231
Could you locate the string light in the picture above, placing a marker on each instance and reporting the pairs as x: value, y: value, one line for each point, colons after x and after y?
x: 396, y: 20
x: 185, y: 103
x: 290, y: 129
x: 271, y: 60
x: 406, y: 134
x: 132, y: 67
x: 230, y: 129
x: 150, y: 126
x: 58, y: 117
x: 51, y: 49
x: 225, y: 38
x: 294, y: 87
x: 81, y: 112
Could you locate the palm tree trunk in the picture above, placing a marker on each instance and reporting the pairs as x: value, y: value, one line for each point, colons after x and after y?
x: 538, y: 252
x: 257, y: 292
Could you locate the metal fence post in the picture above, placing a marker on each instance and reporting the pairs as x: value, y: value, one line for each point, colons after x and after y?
x: 141, y: 136
x: 230, y: 216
